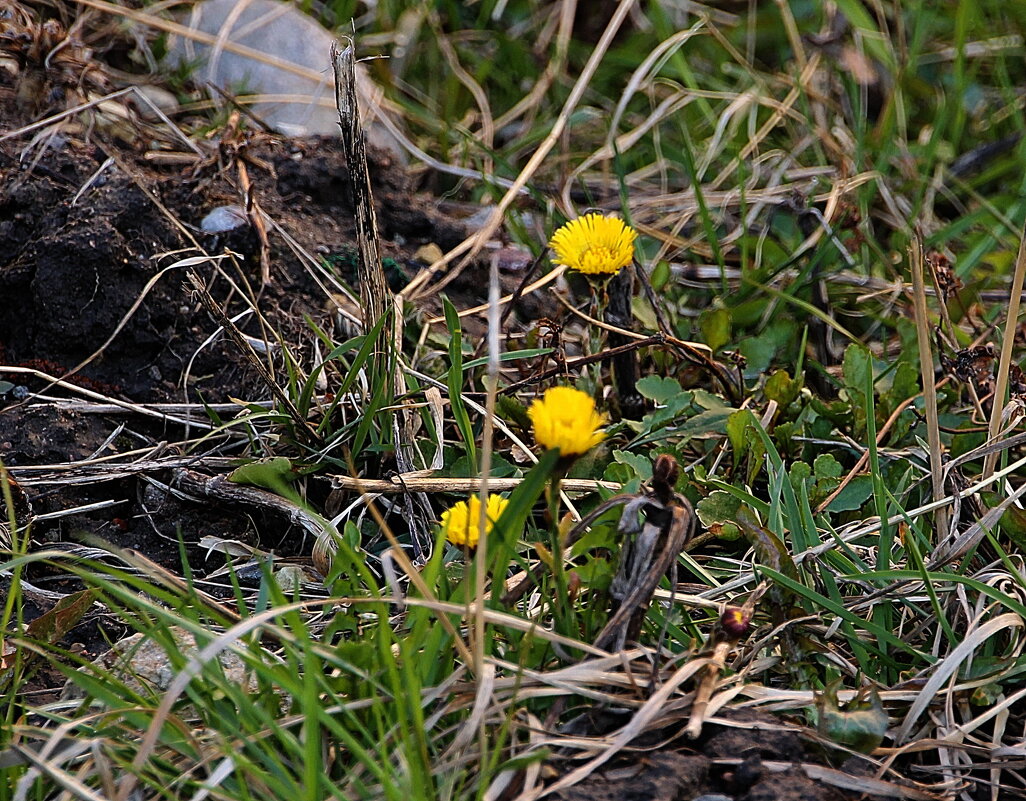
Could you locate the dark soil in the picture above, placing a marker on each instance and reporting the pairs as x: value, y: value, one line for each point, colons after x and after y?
x: 73, y: 265
x: 745, y: 756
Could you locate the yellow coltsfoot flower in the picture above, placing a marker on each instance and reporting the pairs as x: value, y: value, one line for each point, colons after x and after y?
x: 566, y: 418
x: 594, y: 244
x: 461, y: 522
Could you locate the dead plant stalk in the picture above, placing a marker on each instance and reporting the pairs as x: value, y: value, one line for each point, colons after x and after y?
x: 929, y: 391
x: 1006, y: 354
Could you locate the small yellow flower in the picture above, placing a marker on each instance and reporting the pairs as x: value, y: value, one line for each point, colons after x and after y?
x: 594, y: 244
x: 461, y: 521
x: 566, y: 418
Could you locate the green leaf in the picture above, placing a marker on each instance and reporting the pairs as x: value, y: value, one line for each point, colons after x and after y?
x: 857, y: 492
x: 455, y: 379
x: 713, y: 421
x: 826, y: 466
x: 660, y: 274
x: 718, y: 507
x: 641, y: 465
x: 715, y: 326
x: 274, y: 474
x: 706, y: 400
x: 717, y: 513
x: 367, y: 344
x: 857, y: 370
x: 769, y: 550
x: 674, y: 407
x: 509, y: 408
x: 509, y: 356
x: 800, y: 473
x: 595, y: 573
x: 783, y: 389
x: 658, y: 388
x: 737, y: 428
x: 904, y: 384
x: 758, y: 353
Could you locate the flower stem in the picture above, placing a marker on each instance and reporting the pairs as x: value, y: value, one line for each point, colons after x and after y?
x: 560, y: 608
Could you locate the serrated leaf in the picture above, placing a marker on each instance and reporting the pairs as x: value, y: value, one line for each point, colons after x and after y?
x: 799, y: 471
x: 717, y: 513
x: 641, y: 465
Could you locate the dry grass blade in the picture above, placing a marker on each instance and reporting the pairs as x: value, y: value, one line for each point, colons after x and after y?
x: 651, y: 709
x: 246, y: 349
x: 947, y: 667
x: 929, y: 392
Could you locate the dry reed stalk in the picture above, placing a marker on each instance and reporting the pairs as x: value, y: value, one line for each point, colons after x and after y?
x: 998, y: 404
x: 929, y: 390
x: 373, y: 289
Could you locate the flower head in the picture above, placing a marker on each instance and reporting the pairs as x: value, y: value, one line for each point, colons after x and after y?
x: 736, y: 621
x: 594, y: 244
x: 566, y: 418
x: 461, y: 522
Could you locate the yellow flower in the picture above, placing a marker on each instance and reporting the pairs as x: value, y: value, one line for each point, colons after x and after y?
x: 594, y: 244
x: 565, y: 418
x: 461, y: 522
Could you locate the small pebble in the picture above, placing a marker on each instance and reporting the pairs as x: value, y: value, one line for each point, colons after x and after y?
x: 223, y: 219
x: 714, y: 797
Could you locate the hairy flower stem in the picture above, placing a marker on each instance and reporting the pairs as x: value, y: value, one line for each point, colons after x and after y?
x: 561, y: 596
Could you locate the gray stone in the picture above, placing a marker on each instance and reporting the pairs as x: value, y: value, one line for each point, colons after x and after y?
x: 144, y: 667
x: 297, y: 70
